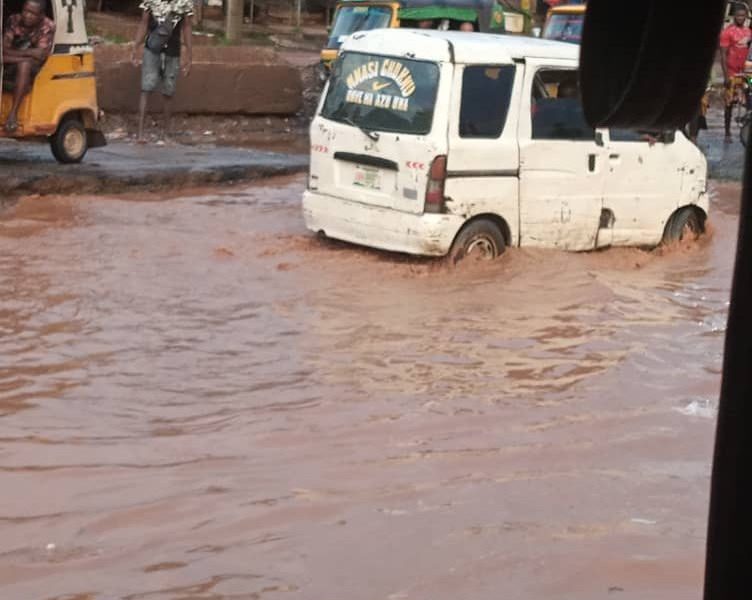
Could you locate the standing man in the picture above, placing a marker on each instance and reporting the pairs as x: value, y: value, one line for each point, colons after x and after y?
x: 163, y: 24
x: 27, y: 42
x: 735, y: 41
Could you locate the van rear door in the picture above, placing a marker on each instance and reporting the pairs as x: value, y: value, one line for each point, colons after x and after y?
x: 483, y: 164
x: 380, y: 126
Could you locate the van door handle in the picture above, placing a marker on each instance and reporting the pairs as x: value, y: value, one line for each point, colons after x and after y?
x: 614, y: 156
x: 591, y: 163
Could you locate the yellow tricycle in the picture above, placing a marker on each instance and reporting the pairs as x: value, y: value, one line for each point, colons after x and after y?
x: 58, y: 99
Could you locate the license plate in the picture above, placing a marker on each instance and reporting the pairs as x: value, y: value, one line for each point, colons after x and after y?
x: 367, y: 177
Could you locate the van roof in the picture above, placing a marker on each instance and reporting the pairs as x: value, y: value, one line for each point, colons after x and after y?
x: 457, y: 46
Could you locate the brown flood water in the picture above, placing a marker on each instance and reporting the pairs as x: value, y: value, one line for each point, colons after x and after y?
x: 198, y: 400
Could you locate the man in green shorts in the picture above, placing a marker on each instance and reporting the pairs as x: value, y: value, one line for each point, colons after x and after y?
x: 164, y: 25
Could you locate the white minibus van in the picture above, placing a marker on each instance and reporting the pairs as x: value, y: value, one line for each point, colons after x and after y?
x: 435, y: 143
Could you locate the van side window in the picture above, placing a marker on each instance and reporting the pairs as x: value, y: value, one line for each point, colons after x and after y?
x: 486, y: 91
x: 556, y: 107
x: 625, y: 135
x: 632, y: 135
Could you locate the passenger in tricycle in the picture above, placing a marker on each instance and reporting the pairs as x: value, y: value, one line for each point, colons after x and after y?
x: 27, y: 42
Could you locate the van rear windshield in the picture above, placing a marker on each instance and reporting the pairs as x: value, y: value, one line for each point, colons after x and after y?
x: 382, y: 93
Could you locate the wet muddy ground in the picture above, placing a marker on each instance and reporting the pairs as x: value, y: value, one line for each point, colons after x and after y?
x: 725, y: 161
x: 199, y: 400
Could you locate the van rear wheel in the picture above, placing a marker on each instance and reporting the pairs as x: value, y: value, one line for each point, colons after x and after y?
x: 68, y: 143
x: 481, y: 239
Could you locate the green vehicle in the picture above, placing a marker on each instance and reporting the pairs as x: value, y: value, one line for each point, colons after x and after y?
x: 350, y: 16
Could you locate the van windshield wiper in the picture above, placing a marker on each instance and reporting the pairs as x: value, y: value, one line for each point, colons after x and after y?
x: 371, y: 135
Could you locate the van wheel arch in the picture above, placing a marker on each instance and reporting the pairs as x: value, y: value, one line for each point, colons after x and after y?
x: 496, y: 228
x: 499, y: 221
x: 688, y: 216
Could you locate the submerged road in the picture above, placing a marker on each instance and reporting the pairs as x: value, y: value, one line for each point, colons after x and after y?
x: 200, y: 400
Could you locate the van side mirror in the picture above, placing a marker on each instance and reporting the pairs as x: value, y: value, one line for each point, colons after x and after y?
x: 599, y: 138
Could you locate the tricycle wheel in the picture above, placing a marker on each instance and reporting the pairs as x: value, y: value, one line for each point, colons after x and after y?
x: 68, y: 143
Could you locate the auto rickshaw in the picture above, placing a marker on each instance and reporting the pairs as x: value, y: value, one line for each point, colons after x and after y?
x: 350, y: 16
x: 564, y: 23
x: 62, y: 105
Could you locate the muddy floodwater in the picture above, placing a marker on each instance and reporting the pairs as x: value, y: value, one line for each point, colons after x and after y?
x: 199, y: 400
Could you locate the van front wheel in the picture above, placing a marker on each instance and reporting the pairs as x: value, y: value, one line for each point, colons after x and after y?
x: 683, y: 224
x: 69, y: 143
x: 481, y: 239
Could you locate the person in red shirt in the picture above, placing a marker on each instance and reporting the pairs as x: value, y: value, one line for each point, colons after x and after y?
x: 735, y: 41
x: 27, y: 42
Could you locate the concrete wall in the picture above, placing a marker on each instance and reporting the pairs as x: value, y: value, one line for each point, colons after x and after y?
x: 223, y: 80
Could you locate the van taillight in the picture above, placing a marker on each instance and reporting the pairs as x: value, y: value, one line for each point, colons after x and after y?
x: 435, y: 186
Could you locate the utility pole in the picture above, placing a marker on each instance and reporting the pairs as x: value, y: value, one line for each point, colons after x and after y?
x: 233, y: 20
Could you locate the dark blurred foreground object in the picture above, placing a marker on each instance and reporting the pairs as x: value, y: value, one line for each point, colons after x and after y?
x: 645, y: 64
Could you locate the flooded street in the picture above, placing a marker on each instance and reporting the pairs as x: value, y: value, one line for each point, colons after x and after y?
x: 199, y: 400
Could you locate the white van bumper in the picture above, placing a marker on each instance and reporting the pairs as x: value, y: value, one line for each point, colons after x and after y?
x: 378, y: 227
